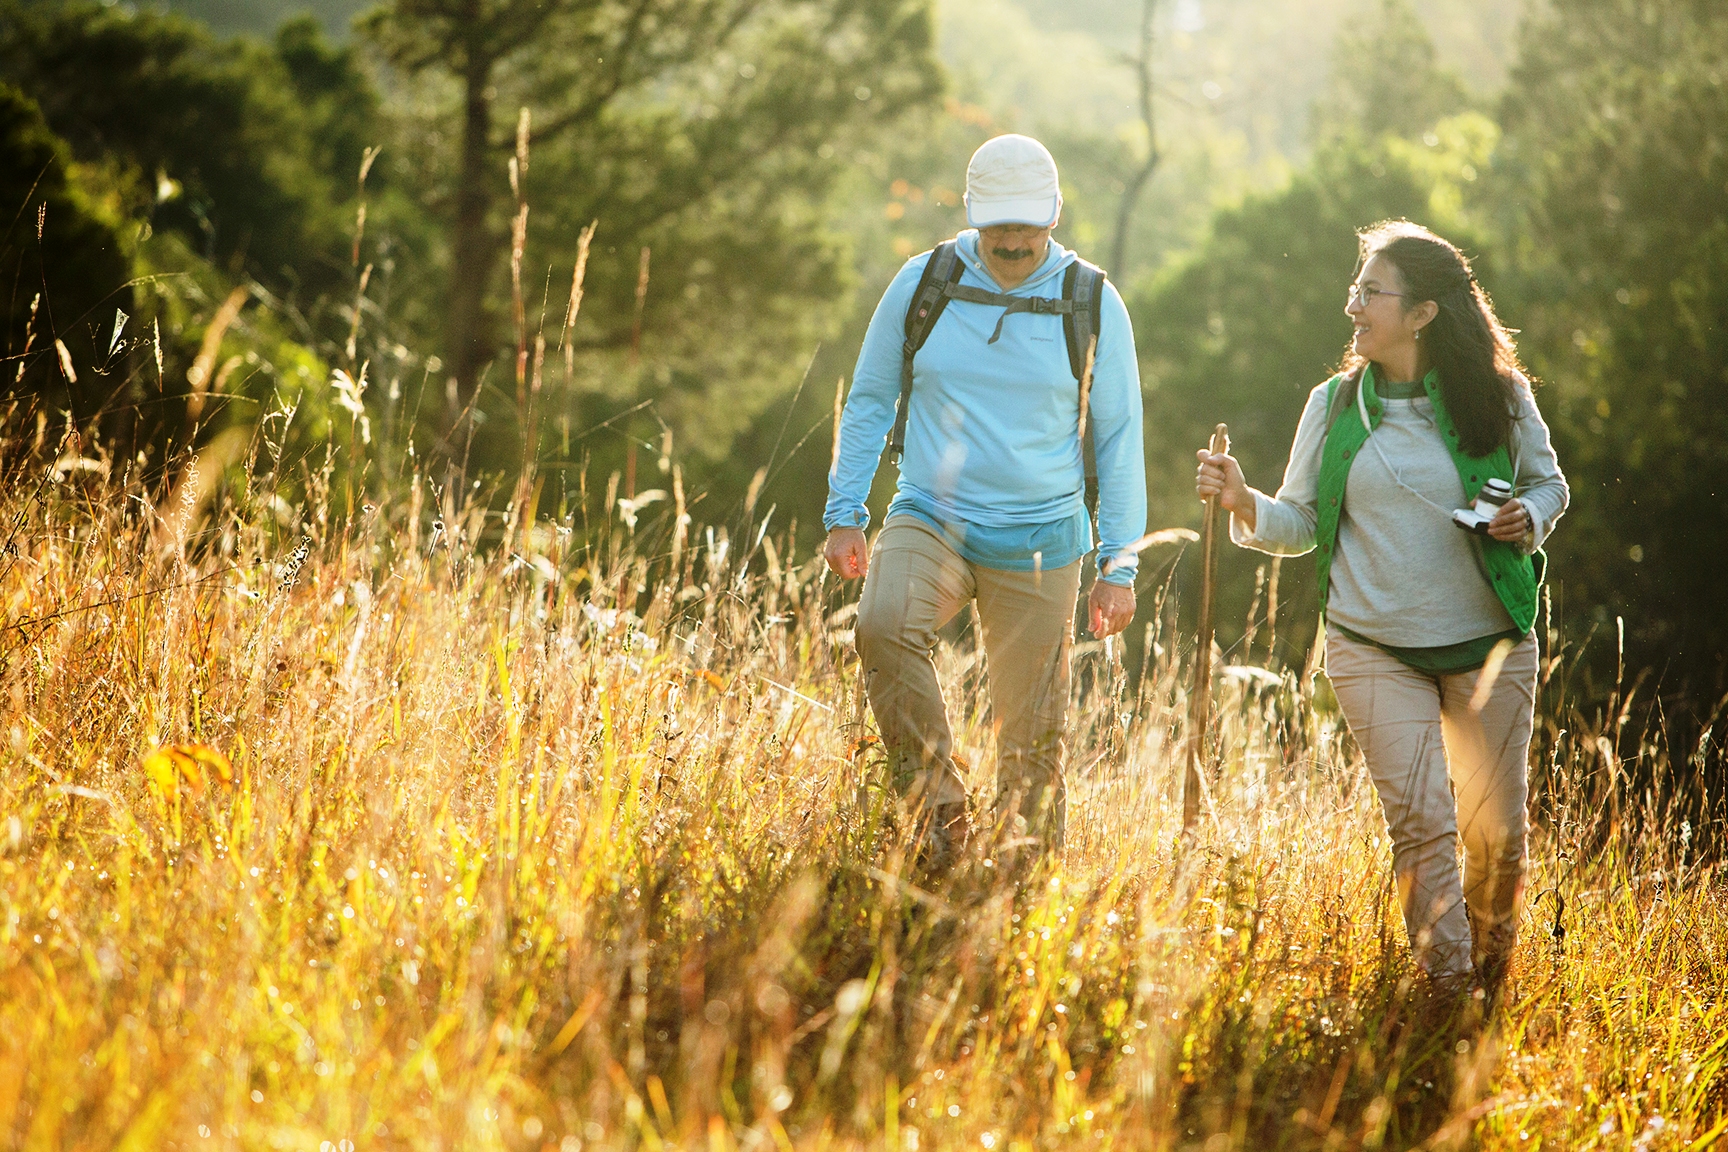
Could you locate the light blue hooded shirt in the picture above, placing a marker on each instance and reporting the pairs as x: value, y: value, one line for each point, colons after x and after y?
x: 993, y: 458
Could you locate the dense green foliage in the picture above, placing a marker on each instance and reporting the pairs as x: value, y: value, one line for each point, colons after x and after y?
x: 63, y: 261
x: 1615, y: 206
x: 225, y: 142
x: 1386, y: 78
x: 182, y: 169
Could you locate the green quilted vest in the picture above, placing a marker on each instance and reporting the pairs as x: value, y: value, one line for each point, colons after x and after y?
x: 1517, y: 578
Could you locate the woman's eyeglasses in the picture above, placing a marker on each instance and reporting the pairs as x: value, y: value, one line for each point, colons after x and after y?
x: 1366, y: 294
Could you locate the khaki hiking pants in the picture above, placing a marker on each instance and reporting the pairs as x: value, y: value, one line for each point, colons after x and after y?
x: 916, y: 584
x: 1411, y: 728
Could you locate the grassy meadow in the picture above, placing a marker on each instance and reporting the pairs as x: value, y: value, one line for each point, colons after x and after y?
x: 366, y: 826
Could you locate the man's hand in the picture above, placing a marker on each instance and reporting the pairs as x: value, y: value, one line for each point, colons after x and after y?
x: 847, y: 553
x: 1112, y: 608
x: 1511, y: 523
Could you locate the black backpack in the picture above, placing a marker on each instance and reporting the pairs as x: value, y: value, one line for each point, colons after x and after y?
x: 1082, y: 292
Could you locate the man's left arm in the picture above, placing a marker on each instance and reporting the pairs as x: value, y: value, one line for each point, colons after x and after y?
x: 1115, y: 415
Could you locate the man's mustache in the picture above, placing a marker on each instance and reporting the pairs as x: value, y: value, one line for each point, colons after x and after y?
x: 1011, y: 253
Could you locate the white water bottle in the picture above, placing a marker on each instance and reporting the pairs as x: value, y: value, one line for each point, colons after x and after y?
x: 1477, y: 517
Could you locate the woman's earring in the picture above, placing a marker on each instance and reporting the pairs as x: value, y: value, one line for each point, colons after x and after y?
x: 1418, y: 334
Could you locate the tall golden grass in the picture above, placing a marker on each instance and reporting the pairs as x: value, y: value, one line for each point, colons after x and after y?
x: 507, y: 861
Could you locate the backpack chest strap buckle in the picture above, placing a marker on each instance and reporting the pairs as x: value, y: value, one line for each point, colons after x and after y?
x: 1038, y: 305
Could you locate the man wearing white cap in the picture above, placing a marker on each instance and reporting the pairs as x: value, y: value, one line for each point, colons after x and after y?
x: 989, y: 363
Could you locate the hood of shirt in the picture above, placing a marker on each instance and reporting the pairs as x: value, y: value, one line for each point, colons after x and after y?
x: 1056, y: 259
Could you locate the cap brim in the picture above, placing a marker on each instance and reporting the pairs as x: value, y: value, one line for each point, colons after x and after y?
x: 1039, y: 213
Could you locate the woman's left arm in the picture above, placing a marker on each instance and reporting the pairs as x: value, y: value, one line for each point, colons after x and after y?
x: 1539, y: 483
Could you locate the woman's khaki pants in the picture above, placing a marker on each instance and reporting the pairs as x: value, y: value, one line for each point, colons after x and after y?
x: 1409, y: 725
x: 916, y: 584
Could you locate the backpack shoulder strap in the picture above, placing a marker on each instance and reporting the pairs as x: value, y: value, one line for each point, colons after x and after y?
x: 941, y: 270
x: 1083, y: 288
x: 928, y: 301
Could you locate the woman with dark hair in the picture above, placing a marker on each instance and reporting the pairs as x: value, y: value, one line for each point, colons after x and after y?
x: 1429, y: 590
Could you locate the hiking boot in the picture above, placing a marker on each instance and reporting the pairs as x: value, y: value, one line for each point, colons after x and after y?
x: 1443, y: 1002
x: 1493, y: 948
x: 943, y: 832
x: 1014, y: 852
x: 1492, y: 968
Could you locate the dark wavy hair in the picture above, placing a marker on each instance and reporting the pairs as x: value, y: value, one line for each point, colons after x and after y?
x: 1479, y: 372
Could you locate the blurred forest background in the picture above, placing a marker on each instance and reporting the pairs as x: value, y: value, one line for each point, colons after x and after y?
x: 343, y: 239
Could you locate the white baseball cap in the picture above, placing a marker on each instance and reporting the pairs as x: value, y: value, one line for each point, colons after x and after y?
x: 1012, y: 180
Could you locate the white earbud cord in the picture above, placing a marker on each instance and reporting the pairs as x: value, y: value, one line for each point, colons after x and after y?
x: 1362, y: 410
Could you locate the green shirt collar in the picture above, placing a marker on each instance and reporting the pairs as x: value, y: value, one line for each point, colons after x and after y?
x: 1379, y: 389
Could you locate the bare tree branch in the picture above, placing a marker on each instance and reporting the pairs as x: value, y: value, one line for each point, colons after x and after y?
x: 1137, y: 182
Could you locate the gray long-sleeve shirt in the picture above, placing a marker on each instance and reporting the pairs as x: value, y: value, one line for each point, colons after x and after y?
x: 1402, y: 573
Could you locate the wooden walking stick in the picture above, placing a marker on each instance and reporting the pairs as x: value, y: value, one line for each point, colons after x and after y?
x: 1200, y: 704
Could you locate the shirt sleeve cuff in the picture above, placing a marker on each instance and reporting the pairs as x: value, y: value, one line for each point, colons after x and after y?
x: 855, y: 518
x: 1239, y: 533
x: 1118, y: 572
x: 1541, y: 524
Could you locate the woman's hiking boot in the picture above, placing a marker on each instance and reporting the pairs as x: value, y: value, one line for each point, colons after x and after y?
x: 943, y: 831
x: 1492, y: 948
